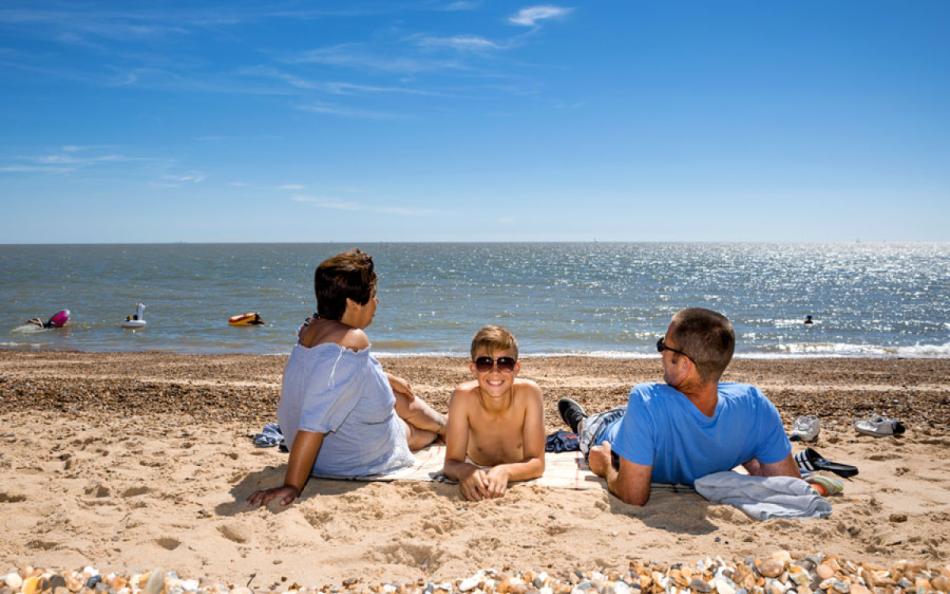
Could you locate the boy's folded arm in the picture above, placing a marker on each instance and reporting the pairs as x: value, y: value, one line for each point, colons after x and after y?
x: 456, y: 440
x: 533, y: 435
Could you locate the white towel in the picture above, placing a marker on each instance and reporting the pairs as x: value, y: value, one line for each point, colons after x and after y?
x: 764, y: 497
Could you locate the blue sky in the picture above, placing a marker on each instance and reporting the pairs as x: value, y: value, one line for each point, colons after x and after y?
x: 473, y: 120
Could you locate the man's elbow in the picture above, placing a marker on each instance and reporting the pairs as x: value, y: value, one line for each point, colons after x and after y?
x: 632, y: 498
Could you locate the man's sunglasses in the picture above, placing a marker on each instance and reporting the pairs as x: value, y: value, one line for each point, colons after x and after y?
x: 485, y: 363
x: 661, y: 346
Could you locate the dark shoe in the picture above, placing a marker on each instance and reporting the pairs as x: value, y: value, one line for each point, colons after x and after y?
x: 571, y: 412
x: 810, y: 461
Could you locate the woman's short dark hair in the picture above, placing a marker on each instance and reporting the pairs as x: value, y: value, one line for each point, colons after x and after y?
x: 707, y: 338
x: 344, y: 276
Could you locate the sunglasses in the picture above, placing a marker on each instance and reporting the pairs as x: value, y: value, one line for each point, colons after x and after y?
x: 661, y: 346
x: 485, y: 363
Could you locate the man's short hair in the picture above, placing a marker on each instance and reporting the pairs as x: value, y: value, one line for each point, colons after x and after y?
x: 707, y: 338
x: 493, y: 339
x: 344, y: 276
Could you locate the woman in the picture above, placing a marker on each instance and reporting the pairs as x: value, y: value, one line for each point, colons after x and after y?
x: 340, y: 413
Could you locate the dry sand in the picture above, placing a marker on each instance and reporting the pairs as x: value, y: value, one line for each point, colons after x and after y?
x: 135, y: 461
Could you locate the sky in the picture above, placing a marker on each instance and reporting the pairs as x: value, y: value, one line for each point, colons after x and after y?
x: 468, y: 120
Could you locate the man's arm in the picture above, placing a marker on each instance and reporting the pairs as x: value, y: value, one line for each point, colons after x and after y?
x: 304, y: 452
x: 786, y: 467
x: 631, y: 484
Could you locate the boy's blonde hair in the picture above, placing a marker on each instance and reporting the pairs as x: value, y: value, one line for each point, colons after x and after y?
x: 494, y: 338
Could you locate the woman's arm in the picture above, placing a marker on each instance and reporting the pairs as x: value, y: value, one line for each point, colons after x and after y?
x: 302, y: 456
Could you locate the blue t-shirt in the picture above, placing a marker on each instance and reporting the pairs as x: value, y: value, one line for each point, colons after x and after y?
x: 663, y: 429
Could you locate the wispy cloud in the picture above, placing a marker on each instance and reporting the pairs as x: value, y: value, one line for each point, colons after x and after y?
x: 354, y: 55
x: 331, y: 203
x: 69, y: 160
x: 328, y: 87
x: 347, y: 111
x: 35, y: 169
x: 533, y: 15
x: 297, y: 187
x: 193, y: 178
x: 337, y: 204
x: 467, y: 43
x: 460, y: 5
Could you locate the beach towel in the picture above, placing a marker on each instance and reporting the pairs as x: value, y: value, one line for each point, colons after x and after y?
x: 565, y: 470
x: 761, y: 497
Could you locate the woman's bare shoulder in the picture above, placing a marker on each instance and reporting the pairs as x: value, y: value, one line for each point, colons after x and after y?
x: 319, y: 331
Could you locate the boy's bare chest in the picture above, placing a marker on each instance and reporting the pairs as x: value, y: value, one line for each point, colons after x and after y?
x: 497, y: 439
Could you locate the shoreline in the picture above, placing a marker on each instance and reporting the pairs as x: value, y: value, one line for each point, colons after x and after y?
x: 133, y: 461
x: 599, y: 354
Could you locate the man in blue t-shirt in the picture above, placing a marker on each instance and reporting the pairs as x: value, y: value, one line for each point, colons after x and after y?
x: 688, y: 427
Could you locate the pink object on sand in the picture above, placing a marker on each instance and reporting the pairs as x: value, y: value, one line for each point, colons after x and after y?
x: 59, y: 319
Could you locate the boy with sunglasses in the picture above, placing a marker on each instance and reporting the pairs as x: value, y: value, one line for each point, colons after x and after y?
x: 495, y: 431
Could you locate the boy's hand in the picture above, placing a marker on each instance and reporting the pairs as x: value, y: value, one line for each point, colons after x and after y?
x: 474, y: 487
x: 401, y: 386
x: 599, y: 459
x: 287, y: 495
x: 497, y: 481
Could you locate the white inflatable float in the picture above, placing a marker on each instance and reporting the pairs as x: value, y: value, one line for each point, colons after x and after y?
x: 136, y: 320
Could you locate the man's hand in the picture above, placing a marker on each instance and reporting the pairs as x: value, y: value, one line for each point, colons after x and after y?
x: 401, y: 386
x: 599, y: 459
x: 474, y: 487
x: 497, y: 481
x: 287, y: 494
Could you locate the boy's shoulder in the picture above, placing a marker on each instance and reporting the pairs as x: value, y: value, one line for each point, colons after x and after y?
x: 525, y: 387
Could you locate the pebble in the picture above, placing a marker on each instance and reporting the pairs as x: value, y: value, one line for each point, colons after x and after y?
x: 779, y: 573
x: 13, y: 580
x: 825, y: 571
x: 770, y: 568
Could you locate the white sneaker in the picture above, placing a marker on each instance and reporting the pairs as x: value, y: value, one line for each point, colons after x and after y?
x: 805, y: 428
x: 879, y: 426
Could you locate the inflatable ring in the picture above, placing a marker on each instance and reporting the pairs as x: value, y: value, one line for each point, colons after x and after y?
x: 251, y: 318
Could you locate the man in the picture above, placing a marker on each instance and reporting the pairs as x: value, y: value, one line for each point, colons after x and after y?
x: 688, y: 427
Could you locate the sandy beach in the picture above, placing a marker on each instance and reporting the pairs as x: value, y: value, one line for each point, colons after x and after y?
x: 134, y: 461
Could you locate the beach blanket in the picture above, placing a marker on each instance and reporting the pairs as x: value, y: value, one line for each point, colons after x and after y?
x: 564, y: 470
x: 762, y: 498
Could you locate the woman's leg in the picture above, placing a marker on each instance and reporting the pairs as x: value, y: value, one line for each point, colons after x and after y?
x: 425, y: 423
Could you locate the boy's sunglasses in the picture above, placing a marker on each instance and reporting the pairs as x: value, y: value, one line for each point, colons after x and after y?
x: 485, y: 363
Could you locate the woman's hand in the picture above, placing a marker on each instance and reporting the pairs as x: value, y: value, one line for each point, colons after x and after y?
x: 401, y: 387
x: 287, y: 494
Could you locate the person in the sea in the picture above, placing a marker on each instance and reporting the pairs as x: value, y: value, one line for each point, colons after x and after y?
x: 496, y: 421
x: 340, y: 413
x: 691, y: 425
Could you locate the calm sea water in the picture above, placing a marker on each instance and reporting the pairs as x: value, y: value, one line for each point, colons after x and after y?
x: 609, y: 299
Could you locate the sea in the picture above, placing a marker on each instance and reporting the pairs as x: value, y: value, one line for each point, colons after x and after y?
x: 603, y: 299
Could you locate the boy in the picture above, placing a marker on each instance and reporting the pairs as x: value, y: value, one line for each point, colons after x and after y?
x: 495, y: 430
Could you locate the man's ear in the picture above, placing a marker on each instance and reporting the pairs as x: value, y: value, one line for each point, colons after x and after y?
x: 471, y: 367
x: 517, y: 367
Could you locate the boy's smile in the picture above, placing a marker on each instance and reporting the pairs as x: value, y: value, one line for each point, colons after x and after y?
x: 497, y: 380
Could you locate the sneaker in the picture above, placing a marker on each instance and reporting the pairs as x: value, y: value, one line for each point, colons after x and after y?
x: 879, y: 426
x: 805, y: 428
x: 825, y: 485
x: 571, y: 412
